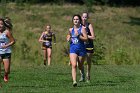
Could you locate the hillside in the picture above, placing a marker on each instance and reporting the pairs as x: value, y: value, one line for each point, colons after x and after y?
x: 117, y: 32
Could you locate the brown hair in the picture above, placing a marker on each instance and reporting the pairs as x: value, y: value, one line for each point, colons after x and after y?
x: 1, y: 19
x: 78, y: 17
x: 8, y: 23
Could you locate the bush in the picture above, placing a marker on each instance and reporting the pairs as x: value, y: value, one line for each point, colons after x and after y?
x: 99, y: 52
x: 120, y: 56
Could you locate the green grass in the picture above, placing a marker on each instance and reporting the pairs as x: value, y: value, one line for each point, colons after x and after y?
x: 116, y: 28
x: 57, y: 79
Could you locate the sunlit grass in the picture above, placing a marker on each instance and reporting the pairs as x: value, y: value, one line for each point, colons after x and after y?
x: 116, y: 28
x: 57, y: 79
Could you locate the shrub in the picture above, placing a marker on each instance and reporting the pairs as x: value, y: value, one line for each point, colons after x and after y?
x: 120, y: 56
x: 99, y: 52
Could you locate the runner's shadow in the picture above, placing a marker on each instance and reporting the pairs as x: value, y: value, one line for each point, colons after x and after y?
x: 99, y: 83
x: 27, y: 86
x: 118, y: 80
x: 60, y: 73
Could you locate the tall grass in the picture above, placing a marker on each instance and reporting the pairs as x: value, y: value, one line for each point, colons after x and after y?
x: 115, y: 28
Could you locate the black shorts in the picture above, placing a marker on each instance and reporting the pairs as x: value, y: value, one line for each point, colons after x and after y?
x: 5, y: 56
x: 89, y: 50
x: 46, y: 45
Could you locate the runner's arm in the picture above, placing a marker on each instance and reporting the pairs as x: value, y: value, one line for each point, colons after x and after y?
x: 92, y: 36
x: 69, y: 35
x: 84, y: 35
x: 11, y: 39
x: 41, y: 38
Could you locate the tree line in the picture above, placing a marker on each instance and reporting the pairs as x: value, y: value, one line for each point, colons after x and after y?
x: 94, y: 2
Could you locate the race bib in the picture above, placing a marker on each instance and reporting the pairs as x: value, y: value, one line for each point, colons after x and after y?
x: 74, y: 40
x: 2, y: 49
x: 47, y: 43
x: 2, y: 44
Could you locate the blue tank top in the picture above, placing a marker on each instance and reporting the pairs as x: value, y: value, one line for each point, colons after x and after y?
x: 75, y: 40
x: 3, y: 41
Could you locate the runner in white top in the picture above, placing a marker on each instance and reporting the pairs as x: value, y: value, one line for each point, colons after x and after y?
x: 6, y: 41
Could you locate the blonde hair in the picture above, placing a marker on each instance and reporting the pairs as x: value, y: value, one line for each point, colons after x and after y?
x: 46, y: 26
x: 86, y: 13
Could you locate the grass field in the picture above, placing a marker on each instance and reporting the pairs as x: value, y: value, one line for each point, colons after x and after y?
x: 117, y: 29
x: 57, y: 79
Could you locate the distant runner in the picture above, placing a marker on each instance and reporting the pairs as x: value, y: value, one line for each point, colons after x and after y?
x: 46, y: 39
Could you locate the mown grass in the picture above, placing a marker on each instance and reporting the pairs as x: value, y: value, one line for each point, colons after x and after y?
x: 116, y: 29
x: 57, y: 79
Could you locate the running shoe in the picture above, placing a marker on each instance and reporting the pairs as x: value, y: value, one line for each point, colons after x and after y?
x: 74, y: 84
x: 82, y: 79
x: 88, y: 81
x: 6, y: 78
x: 45, y: 63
